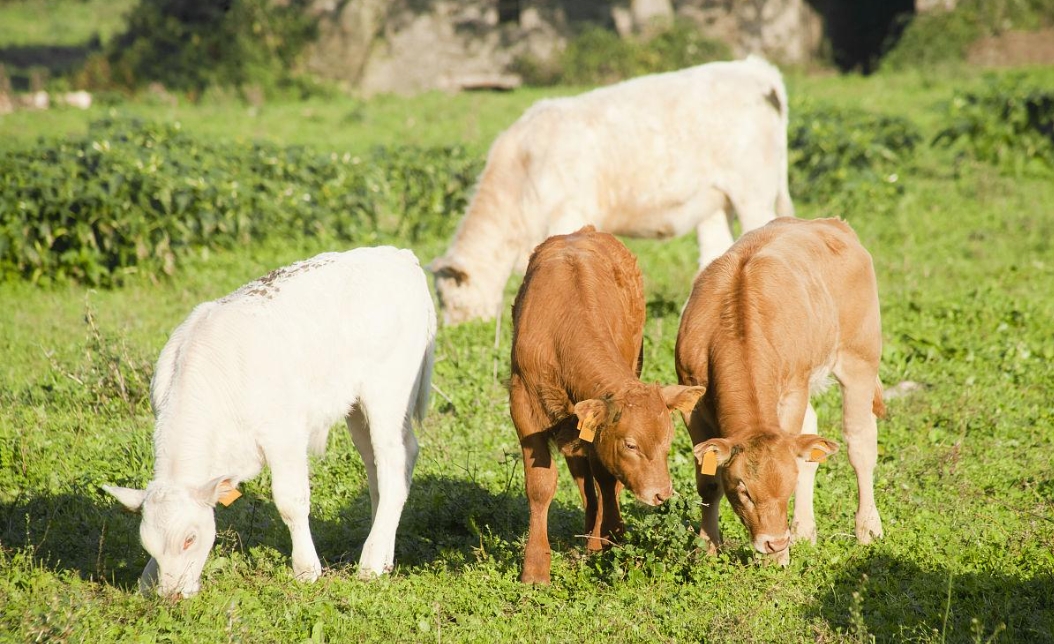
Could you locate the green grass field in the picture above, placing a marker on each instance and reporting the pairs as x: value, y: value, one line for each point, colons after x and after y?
x: 966, y: 275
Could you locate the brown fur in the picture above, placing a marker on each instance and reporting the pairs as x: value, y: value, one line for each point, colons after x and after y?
x: 578, y: 328
x: 788, y: 302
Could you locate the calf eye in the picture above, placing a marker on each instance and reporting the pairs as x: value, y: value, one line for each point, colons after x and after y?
x: 189, y: 541
x: 631, y: 446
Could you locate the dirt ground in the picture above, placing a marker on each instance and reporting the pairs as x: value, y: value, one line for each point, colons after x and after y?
x: 1014, y: 48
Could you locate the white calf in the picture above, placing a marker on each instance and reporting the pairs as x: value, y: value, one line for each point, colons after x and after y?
x: 259, y: 376
x: 657, y: 156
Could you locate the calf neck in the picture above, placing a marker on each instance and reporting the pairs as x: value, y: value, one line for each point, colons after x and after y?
x: 578, y: 328
x: 789, y: 305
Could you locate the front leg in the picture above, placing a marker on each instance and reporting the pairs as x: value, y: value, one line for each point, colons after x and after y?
x: 292, y: 496
x: 582, y: 473
x: 709, y: 488
x: 610, y: 520
x: 540, y: 479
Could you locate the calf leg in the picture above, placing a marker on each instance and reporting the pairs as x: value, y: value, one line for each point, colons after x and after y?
x: 860, y: 429
x: 292, y: 496
x: 797, y: 415
x: 803, y: 527
x: 714, y: 234
x: 540, y: 479
x: 359, y: 429
x: 580, y: 471
x: 611, y: 526
x: 709, y: 488
x: 395, y: 452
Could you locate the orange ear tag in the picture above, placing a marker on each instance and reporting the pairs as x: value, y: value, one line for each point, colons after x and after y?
x: 709, y: 464
x: 230, y: 496
x: 818, y: 455
x: 586, y: 433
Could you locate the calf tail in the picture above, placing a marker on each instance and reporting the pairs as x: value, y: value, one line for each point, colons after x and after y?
x: 878, y: 407
x: 777, y: 98
x: 423, y: 386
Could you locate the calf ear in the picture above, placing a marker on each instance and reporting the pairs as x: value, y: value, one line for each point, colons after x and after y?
x: 681, y: 398
x: 592, y: 415
x: 130, y: 498
x: 448, y: 267
x: 222, y: 489
x: 815, y: 449
x: 712, y: 453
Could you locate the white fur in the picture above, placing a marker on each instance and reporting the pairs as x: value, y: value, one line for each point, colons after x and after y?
x: 657, y: 156
x: 259, y: 377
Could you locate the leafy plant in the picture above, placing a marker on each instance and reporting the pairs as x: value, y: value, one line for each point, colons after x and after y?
x: 135, y: 196
x: 598, y: 56
x: 190, y: 44
x: 848, y: 156
x: 1009, y: 123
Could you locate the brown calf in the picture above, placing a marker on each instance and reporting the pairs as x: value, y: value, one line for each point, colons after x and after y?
x: 787, y: 306
x: 578, y: 328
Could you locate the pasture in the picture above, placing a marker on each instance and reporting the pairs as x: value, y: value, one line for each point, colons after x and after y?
x: 965, y: 263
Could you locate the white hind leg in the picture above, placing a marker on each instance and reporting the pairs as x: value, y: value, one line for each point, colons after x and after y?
x: 395, y: 453
x: 714, y: 235
x: 359, y: 428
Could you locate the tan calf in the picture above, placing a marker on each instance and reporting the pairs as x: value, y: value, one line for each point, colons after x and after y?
x: 578, y: 328
x: 767, y: 323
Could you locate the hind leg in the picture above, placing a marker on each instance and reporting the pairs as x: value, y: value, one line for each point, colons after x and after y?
x: 395, y: 452
x: 860, y: 428
x: 714, y: 235
x: 359, y: 428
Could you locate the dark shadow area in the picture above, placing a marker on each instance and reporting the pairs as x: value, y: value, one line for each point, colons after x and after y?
x: 446, y: 521
x: 895, y: 601
x: 49, y: 61
x: 861, y: 31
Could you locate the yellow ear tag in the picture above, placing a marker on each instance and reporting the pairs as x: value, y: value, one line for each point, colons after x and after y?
x: 230, y: 496
x: 586, y: 433
x: 818, y: 455
x: 709, y: 464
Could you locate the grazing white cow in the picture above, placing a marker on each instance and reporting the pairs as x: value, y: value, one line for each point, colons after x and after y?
x: 259, y: 376
x: 656, y: 156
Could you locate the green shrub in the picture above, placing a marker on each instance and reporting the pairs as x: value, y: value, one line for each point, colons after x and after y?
x: 135, y: 197
x: 846, y: 157
x: 943, y: 37
x: 1009, y: 123
x: 189, y: 45
x: 598, y: 56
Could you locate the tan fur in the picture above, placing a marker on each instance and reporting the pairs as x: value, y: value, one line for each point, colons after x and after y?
x: 578, y: 328
x: 788, y: 304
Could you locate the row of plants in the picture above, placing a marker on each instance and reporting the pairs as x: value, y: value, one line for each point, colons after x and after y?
x: 135, y: 197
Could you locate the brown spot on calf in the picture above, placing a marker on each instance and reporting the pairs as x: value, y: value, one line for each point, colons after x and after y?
x: 578, y: 328
x: 789, y: 304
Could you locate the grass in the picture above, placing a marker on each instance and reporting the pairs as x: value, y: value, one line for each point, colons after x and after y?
x: 966, y: 274
x: 29, y: 23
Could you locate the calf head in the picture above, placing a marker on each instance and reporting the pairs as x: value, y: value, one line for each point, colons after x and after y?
x: 178, y: 530
x: 759, y: 474
x: 632, y: 434
x: 460, y: 298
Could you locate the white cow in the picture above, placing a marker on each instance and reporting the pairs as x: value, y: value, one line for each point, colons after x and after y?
x: 259, y: 376
x: 656, y: 156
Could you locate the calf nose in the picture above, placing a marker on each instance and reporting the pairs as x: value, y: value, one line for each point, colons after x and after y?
x: 663, y: 496
x: 777, y: 545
